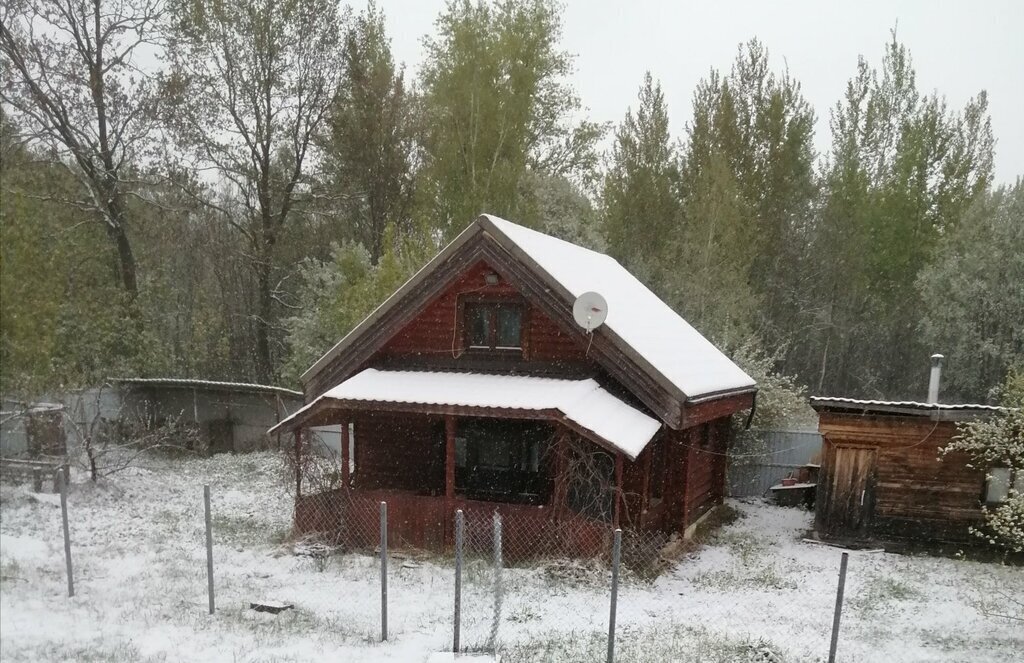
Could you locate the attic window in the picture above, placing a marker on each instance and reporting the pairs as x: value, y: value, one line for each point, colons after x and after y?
x: 494, y: 326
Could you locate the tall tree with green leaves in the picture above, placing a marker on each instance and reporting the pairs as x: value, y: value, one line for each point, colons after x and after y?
x: 496, y: 105
x: 972, y: 295
x: 640, y: 203
x: 902, y: 172
x: 371, y: 136
x: 62, y: 319
x: 756, y: 124
x: 250, y: 89
x: 72, y: 84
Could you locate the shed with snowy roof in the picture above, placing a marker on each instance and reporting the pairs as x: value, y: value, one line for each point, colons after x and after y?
x: 473, y: 388
x: 885, y: 477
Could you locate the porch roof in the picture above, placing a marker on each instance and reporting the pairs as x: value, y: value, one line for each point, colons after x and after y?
x: 582, y: 404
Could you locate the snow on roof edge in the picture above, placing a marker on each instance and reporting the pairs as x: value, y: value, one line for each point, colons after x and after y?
x: 913, y: 405
x: 582, y: 401
x: 218, y: 384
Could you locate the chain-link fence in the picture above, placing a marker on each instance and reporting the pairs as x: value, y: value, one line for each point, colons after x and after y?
x: 755, y: 590
x: 488, y: 549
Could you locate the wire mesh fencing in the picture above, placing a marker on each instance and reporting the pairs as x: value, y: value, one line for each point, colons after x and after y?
x: 494, y: 558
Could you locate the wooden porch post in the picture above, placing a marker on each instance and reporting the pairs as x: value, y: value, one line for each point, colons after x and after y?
x: 561, y: 475
x: 344, y: 456
x: 449, y: 458
x: 298, y: 463
x: 616, y: 519
x: 646, y: 482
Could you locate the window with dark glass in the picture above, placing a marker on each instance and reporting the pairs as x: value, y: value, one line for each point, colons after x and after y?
x: 498, y: 459
x: 494, y: 326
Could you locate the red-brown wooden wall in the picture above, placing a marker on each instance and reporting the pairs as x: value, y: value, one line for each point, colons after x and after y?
x: 436, y: 332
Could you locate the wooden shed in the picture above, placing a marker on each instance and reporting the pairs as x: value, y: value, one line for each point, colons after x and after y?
x: 473, y: 388
x: 884, y: 476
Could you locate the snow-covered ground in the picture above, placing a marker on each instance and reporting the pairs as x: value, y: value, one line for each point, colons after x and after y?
x: 141, y: 589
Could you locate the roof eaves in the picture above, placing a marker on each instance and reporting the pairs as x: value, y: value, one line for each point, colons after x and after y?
x: 210, y: 384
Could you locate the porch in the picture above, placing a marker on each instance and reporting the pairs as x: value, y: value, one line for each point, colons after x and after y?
x: 559, y: 486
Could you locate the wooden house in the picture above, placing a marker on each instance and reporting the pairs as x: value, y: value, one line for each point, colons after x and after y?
x: 473, y: 388
x: 884, y: 476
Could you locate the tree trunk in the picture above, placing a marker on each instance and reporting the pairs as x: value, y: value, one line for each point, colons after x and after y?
x: 125, y: 259
x: 264, y: 362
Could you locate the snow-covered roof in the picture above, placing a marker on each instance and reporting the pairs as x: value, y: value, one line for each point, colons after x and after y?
x: 581, y: 402
x: 949, y: 411
x: 208, y: 384
x: 641, y: 325
x: 636, y: 315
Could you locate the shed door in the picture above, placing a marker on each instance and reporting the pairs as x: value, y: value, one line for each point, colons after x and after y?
x: 221, y: 436
x: 849, y: 499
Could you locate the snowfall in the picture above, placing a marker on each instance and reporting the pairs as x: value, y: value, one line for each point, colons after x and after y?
x: 753, y: 591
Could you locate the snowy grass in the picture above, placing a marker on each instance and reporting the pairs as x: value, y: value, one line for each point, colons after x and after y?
x: 752, y: 592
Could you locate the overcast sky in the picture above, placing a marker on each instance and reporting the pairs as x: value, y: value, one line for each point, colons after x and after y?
x: 958, y: 49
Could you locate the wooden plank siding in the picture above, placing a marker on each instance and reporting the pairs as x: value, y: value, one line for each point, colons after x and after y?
x: 914, y: 491
x: 399, y: 451
x: 436, y: 333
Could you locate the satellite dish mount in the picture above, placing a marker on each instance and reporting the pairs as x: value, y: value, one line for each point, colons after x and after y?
x: 590, y: 311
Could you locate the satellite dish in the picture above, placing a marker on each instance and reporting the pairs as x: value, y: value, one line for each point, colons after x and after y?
x: 590, y: 310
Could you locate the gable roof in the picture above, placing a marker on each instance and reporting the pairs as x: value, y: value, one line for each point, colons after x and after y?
x: 644, y: 323
x: 639, y: 324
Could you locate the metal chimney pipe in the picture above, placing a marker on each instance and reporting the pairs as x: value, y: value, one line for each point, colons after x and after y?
x: 936, y: 377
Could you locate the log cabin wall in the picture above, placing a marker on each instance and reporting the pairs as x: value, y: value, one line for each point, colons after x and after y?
x: 694, y: 462
x: 435, y: 337
x: 705, y: 473
x: 400, y: 452
x: 913, y: 491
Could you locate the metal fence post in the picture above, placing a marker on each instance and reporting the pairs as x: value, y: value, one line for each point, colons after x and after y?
x: 616, y: 558
x: 496, y: 621
x: 839, y: 609
x: 460, y: 531
x: 67, y: 532
x: 209, y: 545
x: 383, y: 571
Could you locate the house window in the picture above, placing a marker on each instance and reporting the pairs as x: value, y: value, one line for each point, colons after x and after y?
x: 1000, y: 479
x: 493, y: 326
x: 500, y: 460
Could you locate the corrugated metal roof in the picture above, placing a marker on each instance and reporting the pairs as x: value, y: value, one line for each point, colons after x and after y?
x: 907, y: 404
x: 584, y: 402
x: 209, y: 384
x: 941, y: 410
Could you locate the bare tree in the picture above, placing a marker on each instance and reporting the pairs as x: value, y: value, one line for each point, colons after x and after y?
x: 109, y: 442
x: 251, y: 85
x: 72, y: 83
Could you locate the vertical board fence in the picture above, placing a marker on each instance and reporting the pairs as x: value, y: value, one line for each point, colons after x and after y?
x: 785, y: 451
